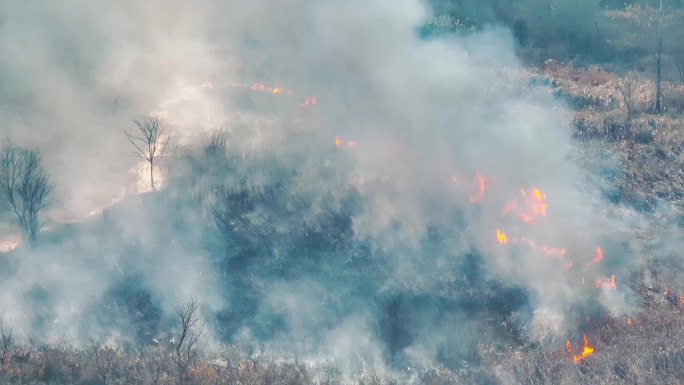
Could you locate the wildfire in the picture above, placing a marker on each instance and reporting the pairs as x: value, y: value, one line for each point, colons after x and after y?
x: 556, y: 251
x: 605, y: 283
x: 536, y: 205
x: 501, y: 237
x: 481, y: 186
x: 587, y: 350
x: 342, y: 144
x: 310, y: 101
x: 598, y: 257
x: 510, y: 206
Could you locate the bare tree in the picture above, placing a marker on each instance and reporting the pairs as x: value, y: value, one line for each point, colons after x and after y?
x: 186, y: 346
x: 659, y: 59
x: 628, y: 89
x: 25, y: 186
x: 106, y: 359
x: 150, y: 139
x: 7, y: 344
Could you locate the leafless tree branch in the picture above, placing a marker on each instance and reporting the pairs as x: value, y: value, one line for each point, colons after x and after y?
x: 186, y: 347
x: 25, y: 186
x: 150, y: 141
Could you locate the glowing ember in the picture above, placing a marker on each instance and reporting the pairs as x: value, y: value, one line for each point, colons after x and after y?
x: 681, y: 299
x: 481, y: 186
x: 568, y: 346
x: 628, y: 321
x: 501, y: 237
x: 598, y: 257
x: 587, y: 350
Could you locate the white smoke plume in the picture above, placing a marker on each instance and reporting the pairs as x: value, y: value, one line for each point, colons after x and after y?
x: 433, y: 133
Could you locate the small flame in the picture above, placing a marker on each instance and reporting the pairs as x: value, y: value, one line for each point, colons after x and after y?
x: 604, y: 283
x: 536, y: 205
x: 481, y: 186
x: 553, y: 251
x: 276, y: 91
x: 628, y: 321
x: 341, y: 143
x: 587, y: 350
x: 568, y: 346
x: 598, y: 257
x: 681, y: 299
x: 501, y: 237
x: 310, y: 101
x: 666, y: 291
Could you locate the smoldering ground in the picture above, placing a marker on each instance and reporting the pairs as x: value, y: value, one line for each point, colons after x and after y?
x: 387, y: 246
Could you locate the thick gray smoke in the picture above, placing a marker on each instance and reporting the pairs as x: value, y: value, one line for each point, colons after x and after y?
x: 436, y: 135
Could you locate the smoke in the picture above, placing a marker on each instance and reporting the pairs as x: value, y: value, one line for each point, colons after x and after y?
x: 431, y: 119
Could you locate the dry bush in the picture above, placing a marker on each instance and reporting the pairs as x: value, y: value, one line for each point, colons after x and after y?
x: 596, y: 77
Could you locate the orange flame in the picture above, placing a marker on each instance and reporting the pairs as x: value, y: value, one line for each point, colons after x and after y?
x: 628, y: 321
x: 342, y: 144
x: 536, y: 205
x: 481, y: 186
x: 586, y: 351
x: 681, y: 299
x: 568, y: 346
x: 604, y: 283
x: 598, y: 257
x: 501, y: 237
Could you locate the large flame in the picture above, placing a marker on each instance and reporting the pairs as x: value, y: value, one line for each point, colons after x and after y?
x: 587, y: 350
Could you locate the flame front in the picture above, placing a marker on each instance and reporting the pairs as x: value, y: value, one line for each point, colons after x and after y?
x: 586, y: 351
x: 598, y: 257
x: 481, y: 186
